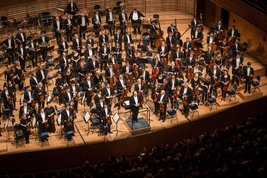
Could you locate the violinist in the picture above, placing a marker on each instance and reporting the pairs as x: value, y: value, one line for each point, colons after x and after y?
x: 118, y: 38
x: 89, y: 90
x: 42, y: 75
x: 96, y: 21
x: 108, y: 93
x: 215, y: 75
x: 195, y: 83
x: 172, y: 29
x: 172, y: 87
x: 93, y: 65
x: 67, y: 96
x: 123, y: 18
x: 178, y: 55
x: 43, y: 121
x: 205, y: 88
x: 33, y: 81
x: 99, y: 102
x: 68, y: 116
x: 57, y: 27
x: 83, y: 22
x: 90, y: 40
x: 18, y: 76
x: 127, y: 40
x: 209, y: 54
x: 220, y: 30
x: 110, y: 75
x: 26, y: 109
x: 68, y: 22
x: 117, y: 51
x: 58, y: 89
x: 225, y: 81
x: 191, y: 60
x: 21, y: 37
x: 75, y: 91
x: 103, y: 39
x: 157, y: 62
x: 161, y: 105
x: 186, y: 95
x: 105, y: 118
x: 98, y: 79
x: 77, y: 43
x: 9, y: 73
x: 135, y: 101
x: 68, y: 76
x: 156, y: 88
x: 50, y: 112
x: 7, y: 97
x: 75, y: 59
x: 40, y: 95
x: 25, y: 125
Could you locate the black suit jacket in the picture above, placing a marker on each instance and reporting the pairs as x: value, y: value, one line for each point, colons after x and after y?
x: 75, y: 8
x: 75, y: 44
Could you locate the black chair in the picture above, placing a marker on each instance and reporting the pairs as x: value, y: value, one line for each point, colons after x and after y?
x: 18, y: 135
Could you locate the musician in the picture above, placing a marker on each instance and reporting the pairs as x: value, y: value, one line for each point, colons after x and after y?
x: 117, y: 52
x: 7, y: 97
x: 40, y: 95
x: 42, y: 75
x: 57, y: 27
x: 161, y: 105
x: 220, y: 30
x: 236, y: 47
x: 163, y: 51
x: 172, y: 29
x: 77, y: 43
x: 58, y: 90
x: 98, y: 79
x: 153, y: 33
x: 89, y: 90
x: 68, y: 96
x: 68, y: 22
x: 9, y: 73
x: 64, y: 62
x: 33, y: 81
x: 127, y: 40
x: 135, y: 16
x: 75, y: 91
x: 118, y: 38
x: 215, y: 75
x: 72, y: 8
x: 205, y: 86
x: 225, y: 81
x: 212, y: 40
x: 178, y: 55
x: 24, y: 123
x: 110, y: 20
x: 43, y: 43
x: 233, y: 33
x: 99, y: 102
x: 75, y: 59
x: 195, y: 82
x: 93, y: 65
x: 108, y: 93
x: 197, y: 36
x: 187, y: 46
x: 172, y: 87
x: 104, y: 52
x: 194, y: 24
x: 43, y: 121
x: 186, y: 95
x: 144, y: 75
x: 209, y: 55
x: 123, y: 18
x: 83, y: 22
x: 68, y: 116
x: 90, y: 40
x: 135, y: 101
x: 18, y: 76
x: 50, y: 112
x: 21, y: 52
x: 174, y: 70
x: 105, y: 117
x: 90, y: 53
x: 63, y: 46
x: 9, y: 44
x: 96, y: 20
x: 157, y: 61
x: 21, y: 37
x: 237, y: 64
x: 25, y: 109
x: 103, y: 39
x: 32, y: 47
x: 248, y: 73
x: 68, y: 76
x: 170, y: 41
x: 191, y: 60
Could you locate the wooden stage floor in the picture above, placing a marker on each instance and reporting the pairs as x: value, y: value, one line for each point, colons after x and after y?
x: 83, y: 137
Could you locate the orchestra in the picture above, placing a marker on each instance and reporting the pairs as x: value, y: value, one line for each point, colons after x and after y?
x: 97, y: 70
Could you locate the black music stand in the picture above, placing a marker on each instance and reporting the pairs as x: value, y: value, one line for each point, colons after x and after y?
x: 116, y: 118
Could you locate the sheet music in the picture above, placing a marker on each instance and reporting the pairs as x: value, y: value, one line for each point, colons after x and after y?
x: 127, y: 103
x: 59, y: 120
x: 86, y: 117
x: 116, y: 118
x: 49, y: 98
x: 83, y: 98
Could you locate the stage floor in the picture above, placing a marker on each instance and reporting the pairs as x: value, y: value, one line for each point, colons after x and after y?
x: 85, y: 137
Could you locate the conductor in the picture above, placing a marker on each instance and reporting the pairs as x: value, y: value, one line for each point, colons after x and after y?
x: 135, y: 105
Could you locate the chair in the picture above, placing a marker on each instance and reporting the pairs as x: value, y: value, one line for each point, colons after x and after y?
x: 95, y: 123
x: 69, y: 136
x: 18, y: 135
x: 43, y: 137
x: 232, y: 92
x: 6, y: 113
x: 193, y: 107
x: 173, y: 112
x: 200, y: 71
x: 212, y: 102
x: 256, y: 84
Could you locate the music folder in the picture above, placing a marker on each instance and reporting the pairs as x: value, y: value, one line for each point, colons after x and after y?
x: 86, y: 117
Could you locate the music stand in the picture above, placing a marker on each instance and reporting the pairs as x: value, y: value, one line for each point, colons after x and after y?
x: 6, y: 114
x: 116, y: 119
x: 59, y: 123
x: 86, y: 119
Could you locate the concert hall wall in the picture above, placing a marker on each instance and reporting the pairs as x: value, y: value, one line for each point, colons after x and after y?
x: 19, y: 8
